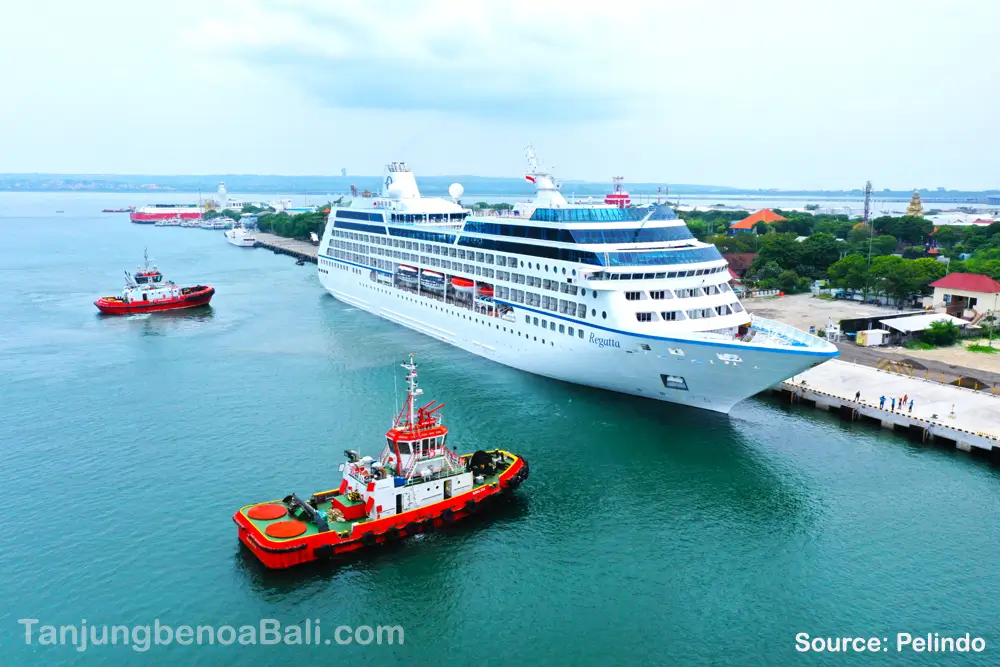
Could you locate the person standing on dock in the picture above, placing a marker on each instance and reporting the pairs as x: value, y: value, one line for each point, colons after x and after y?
x: 894, y: 405
x: 881, y: 402
x: 857, y: 397
x: 910, y: 411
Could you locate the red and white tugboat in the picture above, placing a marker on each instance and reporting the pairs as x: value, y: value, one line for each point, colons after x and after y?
x: 619, y: 195
x: 146, y: 292
x: 414, y: 486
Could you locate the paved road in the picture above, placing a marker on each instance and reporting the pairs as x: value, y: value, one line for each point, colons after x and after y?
x: 869, y: 356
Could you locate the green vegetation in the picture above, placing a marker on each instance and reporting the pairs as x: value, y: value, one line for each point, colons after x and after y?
x: 983, y: 349
x: 296, y: 226
x: 941, y: 333
x: 917, y: 344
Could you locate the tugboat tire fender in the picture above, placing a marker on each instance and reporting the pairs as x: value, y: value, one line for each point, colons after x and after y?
x: 369, y: 539
x: 448, y: 515
x: 392, y: 533
x: 412, y: 528
x: 428, y: 525
x: 470, y: 506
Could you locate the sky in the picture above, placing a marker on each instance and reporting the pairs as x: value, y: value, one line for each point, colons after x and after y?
x: 770, y: 94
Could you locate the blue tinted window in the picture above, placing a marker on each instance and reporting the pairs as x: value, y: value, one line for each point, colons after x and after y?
x: 360, y: 215
x: 663, y: 213
x: 565, y: 254
x: 638, y: 235
x: 685, y: 256
x: 359, y: 227
x: 422, y: 236
x: 599, y: 214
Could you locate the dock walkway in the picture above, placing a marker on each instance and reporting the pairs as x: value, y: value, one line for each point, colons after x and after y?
x: 968, y: 418
x: 292, y: 247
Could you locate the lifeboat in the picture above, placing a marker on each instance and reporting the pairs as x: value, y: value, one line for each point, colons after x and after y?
x: 462, y: 284
x: 485, y: 290
x: 432, y: 281
x: 416, y: 470
x: 406, y: 274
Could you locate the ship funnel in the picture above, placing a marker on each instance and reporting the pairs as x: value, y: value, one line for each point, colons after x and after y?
x: 398, y: 182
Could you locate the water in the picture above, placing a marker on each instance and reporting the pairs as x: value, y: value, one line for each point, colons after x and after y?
x: 647, y: 534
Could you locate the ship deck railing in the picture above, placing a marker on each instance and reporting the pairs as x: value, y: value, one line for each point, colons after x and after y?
x: 767, y: 331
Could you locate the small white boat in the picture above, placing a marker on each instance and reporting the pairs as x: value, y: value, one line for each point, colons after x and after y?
x: 240, y: 237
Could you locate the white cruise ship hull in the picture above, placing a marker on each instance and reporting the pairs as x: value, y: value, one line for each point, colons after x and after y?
x: 602, y: 358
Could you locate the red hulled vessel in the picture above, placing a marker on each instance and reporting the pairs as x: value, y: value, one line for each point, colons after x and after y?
x: 146, y: 292
x: 416, y: 485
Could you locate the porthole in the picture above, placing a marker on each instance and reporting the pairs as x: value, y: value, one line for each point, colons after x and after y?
x: 529, y: 265
x: 604, y: 314
x: 564, y: 270
x: 546, y: 268
x: 583, y: 291
x: 593, y: 312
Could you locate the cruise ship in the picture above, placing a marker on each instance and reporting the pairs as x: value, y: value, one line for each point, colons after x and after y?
x: 623, y: 299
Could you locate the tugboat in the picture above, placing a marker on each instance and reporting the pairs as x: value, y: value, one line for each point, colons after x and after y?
x: 416, y: 485
x: 146, y: 292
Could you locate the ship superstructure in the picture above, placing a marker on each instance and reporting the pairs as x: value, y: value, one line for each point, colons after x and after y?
x: 621, y: 298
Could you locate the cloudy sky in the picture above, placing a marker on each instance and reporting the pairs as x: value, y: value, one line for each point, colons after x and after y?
x: 785, y: 94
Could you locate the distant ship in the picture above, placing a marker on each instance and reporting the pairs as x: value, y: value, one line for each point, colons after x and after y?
x: 618, y: 196
x: 148, y: 215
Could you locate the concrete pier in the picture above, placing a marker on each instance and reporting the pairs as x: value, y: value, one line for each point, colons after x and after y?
x: 293, y: 248
x: 964, y: 418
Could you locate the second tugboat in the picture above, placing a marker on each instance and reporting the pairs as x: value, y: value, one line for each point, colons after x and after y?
x: 146, y: 292
x: 415, y: 485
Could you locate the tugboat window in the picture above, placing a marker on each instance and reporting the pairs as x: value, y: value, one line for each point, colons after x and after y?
x: 404, y: 448
x: 674, y: 382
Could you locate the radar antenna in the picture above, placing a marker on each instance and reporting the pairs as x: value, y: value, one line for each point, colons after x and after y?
x: 532, y: 159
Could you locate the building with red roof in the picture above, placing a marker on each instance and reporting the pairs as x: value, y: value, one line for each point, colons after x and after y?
x: 747, y: 224
x: 958, y: 293
x: 739, y: 262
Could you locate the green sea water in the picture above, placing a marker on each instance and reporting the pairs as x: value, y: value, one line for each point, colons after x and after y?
x: 647, y: 533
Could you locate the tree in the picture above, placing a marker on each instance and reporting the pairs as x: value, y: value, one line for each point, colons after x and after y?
x: 894, y: 277
x: 911, y: 229
x: 850, y: 272
x: 941, y: 333
x: 883, y: 245
x: 947, y: 237
x: 986, y: 262
x: 782, y: 249
x: 768, y: 271
x: 927, y: 270
x: 788, y: 281
x: 820, y: 251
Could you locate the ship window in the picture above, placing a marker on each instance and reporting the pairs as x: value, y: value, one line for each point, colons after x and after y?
x: 552, y: 325
x: 669, y: 315
x: 579, y: 333
x: 535, y: 321
x: 644, y: 317
x: 404, y: 448
x: 571, y: 332
x: 544, y: 324
x: 674, y: 382
x: 633, y: 296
